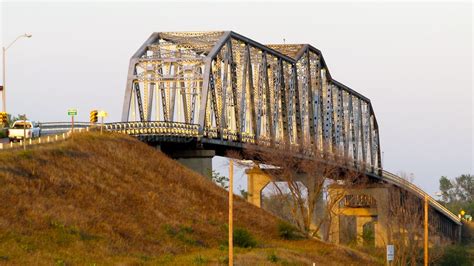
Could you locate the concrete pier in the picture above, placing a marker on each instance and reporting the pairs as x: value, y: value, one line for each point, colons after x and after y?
x: 199, y: 161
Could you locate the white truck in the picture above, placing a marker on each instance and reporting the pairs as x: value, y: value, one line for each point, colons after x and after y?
x: 23, y: 129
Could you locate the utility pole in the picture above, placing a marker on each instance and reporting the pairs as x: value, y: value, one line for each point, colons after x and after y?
x: 426, y: 232
x: 231, y: 203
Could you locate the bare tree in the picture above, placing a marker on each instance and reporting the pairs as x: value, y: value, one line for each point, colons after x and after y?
x: 306, y: 179
x: 405, y: 228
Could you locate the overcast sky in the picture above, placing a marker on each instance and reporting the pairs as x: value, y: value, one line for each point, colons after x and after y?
x: 414, y: 61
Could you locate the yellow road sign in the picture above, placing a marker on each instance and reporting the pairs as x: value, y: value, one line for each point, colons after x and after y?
x: 103, y: 114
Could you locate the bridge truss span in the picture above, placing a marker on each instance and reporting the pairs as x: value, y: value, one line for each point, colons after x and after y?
x: 238, y: 91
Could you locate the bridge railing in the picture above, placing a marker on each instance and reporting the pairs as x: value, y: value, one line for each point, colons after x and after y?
x: 154, y: 128
x: 392, y: 178
x: 228, y: 135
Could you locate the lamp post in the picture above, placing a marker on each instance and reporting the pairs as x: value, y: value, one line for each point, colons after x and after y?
x: 4, y: 49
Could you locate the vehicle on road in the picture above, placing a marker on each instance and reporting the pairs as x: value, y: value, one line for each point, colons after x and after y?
x: 23, y: 129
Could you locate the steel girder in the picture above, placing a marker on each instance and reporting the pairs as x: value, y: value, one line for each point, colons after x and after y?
x: 238, y: 90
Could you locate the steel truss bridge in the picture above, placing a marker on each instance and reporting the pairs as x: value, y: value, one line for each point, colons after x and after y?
x: 239, y: 91
x: 223, y: 89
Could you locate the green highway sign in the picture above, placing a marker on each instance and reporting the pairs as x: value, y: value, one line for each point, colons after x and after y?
x: 71, y: 112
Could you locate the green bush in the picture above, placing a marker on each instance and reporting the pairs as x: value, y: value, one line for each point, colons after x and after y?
x: 455, y: 255
x: 273, y: 258
x: 287, y: 231
x: 3, y: 133
x: 243, y: 239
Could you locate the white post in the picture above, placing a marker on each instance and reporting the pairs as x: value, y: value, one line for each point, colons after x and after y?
x: 1, y: 146
x: 39, y: 140
x: 64, y: 136
x: 56, y: 137
x: 47, y: 140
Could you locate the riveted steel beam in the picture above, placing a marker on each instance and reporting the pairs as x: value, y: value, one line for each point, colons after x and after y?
x: 268, y: 104
x: 299, y: 124
x: 253, y: 116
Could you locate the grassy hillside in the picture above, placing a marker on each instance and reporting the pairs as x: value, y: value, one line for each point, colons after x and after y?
x: 109, y: 199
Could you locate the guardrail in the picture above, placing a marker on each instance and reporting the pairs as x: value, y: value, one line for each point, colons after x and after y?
x: 392, y: 178
x: 40, y: 140
x: 49, y: 128
x: 52, y: 124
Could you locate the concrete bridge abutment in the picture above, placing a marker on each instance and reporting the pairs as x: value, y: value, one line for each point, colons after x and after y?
x: 361, y: 215
x: 257, y: 180
x: 197, y: 160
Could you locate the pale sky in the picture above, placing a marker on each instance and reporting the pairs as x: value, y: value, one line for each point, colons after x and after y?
x: 414, y: 61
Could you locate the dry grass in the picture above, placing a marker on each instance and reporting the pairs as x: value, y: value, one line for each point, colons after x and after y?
x: 114, y: 200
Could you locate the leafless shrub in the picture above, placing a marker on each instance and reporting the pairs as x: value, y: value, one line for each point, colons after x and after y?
x: 405, y: 226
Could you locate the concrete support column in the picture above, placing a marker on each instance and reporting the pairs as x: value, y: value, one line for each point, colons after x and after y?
x: 199, y: 161
x: 256, y: 181
x: 380, y: 214
x: 382, y: 236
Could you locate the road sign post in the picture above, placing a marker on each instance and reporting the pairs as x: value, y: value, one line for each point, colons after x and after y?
x: 102, y: 115
x: 72, y: 112
x: 390, y: 254
x: 3, y: 119
x: 93, y: 117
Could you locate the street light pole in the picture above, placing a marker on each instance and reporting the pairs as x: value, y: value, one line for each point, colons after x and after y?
x: 4, y: 52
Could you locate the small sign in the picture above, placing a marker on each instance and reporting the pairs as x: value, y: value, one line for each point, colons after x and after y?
x: 71, y: 111
x: 102, y: 114
x: 390, y: 252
